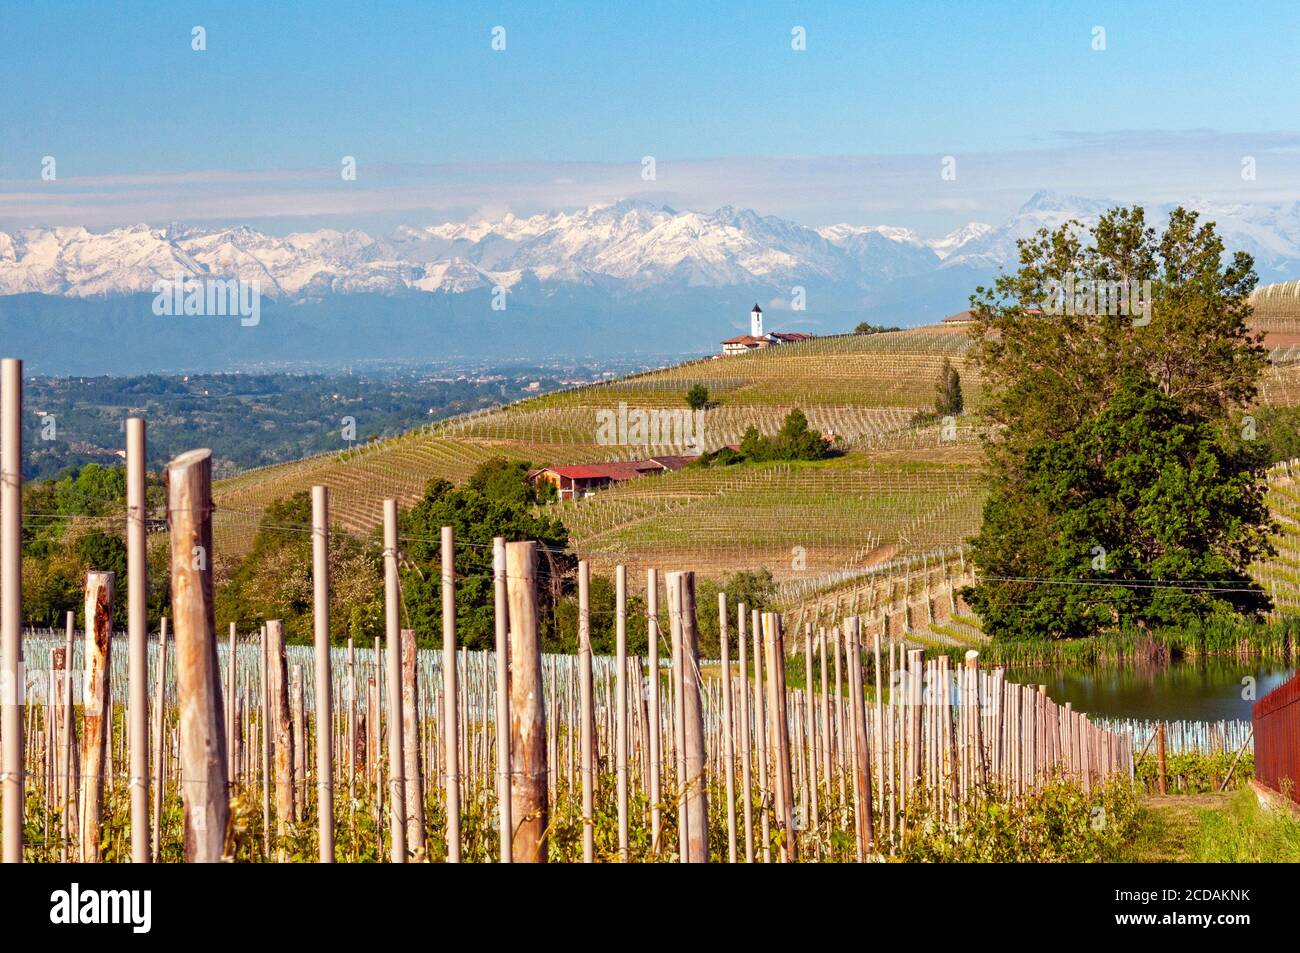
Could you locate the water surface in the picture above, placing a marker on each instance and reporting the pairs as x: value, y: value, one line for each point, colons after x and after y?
x: 1206, y: 689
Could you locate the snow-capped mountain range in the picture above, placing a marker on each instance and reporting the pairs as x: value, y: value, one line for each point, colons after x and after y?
x: 629, y: 245
x: 630, y: 277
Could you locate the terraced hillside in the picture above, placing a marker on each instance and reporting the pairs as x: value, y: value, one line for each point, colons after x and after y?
x: 799, y: 520
x: 899, y: 487
x: 1280, y: 573
x: 901, y: 491
x: 895, y: 370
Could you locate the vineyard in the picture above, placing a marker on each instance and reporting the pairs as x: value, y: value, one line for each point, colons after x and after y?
x: 903, y: 486
x: 1280, y: 573
x: 512, y: 755
x: 509, y: 755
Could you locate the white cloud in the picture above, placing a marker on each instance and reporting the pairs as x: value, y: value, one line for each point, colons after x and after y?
x: 906, y: 190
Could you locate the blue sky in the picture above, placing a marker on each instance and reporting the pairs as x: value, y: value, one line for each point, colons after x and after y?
x: 144, y: 127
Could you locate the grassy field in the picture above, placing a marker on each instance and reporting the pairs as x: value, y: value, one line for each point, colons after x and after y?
x: 1230, y: 827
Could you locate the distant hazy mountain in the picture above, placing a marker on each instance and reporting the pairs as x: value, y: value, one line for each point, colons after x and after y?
x: 619, y: 277
x: 1269, y: 232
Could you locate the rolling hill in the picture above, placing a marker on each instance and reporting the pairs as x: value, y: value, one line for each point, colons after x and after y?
x: 898, y: 491
x: 880, y: 525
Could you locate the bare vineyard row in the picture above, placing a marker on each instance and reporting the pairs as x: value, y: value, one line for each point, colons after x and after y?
x: 487, y: 746
x: 876, y: 743
x: 1279, y: 574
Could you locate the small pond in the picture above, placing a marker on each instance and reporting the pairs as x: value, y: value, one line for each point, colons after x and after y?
x: 1204, y: 689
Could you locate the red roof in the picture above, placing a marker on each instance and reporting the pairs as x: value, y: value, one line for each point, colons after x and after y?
x: 785, y: 337
x: 619, y: 469
x: 675, y: 462
x: 594, y: 471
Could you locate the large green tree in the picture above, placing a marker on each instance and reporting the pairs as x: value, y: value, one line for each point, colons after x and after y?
x: 1082, y: 499
x: 492, y: 503
x: 1144, y: 513
x: 1044, y: 374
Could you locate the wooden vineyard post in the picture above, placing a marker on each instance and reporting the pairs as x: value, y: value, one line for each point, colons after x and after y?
x: 68, y: 741
x: 98, y: 708
x: 620, y: 733
x: 414, y: 769
x: 62, y: 715
x: 198, y: 679
x: 299, y: 744
x: 280, y: 718
x: 528, y: 764
x: 810, y: 721
x: 728, y: 743
x: 231, y: 659
x: 844, y: 633
x: 450, y: 719
x: 320, y: 577
x: 746, y: 775
x: 761, y: 740
x: 393, y: 677
x: 840, y: 736
x: 880, y: 725
x: 137, y: 595
x: 825, y: 707
x: 350, y: 686
x: 697, y: 814
x: 641, y: 723
x: 159, y: 728
x: 981, y: 767
x: 865, y: 822
x: 1161, y: 763
x: 373, y: 728
x: 672, y: 586
x: 779, y: 724
x: 501, y: 620
x: 916, y: 660
x: 11, y: 607
x: 588, y: 727
x: 652, y: 638
x: 267, y: 742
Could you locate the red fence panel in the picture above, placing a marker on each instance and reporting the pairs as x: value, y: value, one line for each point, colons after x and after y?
x: 1276, y: 717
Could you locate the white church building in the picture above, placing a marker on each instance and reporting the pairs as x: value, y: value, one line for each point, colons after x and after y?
x: 757, y: 339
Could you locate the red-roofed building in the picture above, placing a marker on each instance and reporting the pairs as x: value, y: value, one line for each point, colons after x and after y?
x: 584, y: 479
x: 756, y: 339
